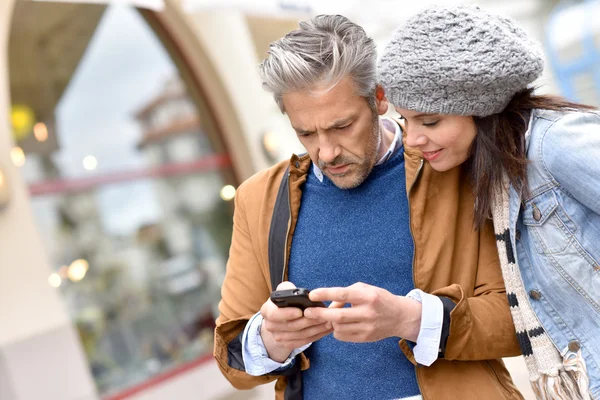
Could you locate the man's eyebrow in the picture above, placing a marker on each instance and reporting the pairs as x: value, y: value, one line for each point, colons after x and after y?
x: 335, y: 124
x: 302, y: 131
x: 340, y: 122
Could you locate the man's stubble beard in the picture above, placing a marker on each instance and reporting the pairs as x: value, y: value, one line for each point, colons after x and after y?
x: 365, y: 165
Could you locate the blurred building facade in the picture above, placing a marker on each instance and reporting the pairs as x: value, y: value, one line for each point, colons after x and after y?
x: 129, y: 131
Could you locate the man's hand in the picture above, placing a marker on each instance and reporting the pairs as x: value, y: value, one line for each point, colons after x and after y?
x: 286, y: 329
x: 375, y: 313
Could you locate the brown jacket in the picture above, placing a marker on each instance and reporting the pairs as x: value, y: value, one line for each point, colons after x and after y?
x: 451, y: 259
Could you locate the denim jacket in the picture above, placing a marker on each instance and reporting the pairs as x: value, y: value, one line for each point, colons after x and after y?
x: 556, y: 231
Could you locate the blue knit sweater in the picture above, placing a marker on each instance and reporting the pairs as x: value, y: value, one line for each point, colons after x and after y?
x: 348, y: 236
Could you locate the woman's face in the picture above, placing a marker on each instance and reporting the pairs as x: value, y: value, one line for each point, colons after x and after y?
x: 444, y: 140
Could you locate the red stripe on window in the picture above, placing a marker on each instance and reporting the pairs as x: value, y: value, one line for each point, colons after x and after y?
x: 205, y: 164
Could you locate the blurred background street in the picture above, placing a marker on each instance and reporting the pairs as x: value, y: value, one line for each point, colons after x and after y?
x: 125, y: 129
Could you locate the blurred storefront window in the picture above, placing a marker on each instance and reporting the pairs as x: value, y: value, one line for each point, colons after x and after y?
x: 573, y: 46
x: 126, y: 184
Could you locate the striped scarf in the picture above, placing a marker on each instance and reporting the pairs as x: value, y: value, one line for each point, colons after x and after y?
x: 553, y: 376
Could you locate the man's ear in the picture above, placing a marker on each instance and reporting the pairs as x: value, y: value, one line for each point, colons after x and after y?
x: 382, y: 102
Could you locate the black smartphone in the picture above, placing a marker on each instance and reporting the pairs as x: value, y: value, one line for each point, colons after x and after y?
x: 294, y: 298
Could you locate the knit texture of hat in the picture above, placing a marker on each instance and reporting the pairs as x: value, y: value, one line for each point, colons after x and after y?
x: 458, y: 60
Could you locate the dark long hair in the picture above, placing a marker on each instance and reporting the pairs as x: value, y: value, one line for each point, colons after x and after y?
x: 499, y: 147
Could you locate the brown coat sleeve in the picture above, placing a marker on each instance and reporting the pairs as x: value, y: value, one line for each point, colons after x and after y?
x: 244, y: 291
x: 481, y: 326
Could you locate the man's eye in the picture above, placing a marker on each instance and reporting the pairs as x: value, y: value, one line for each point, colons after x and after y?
x: 341, y: 128
x: 433, y: 123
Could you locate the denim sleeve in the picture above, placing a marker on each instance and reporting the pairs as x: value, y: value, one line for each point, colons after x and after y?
x: 432, y: 316
x: 256, y: 359
x: 570, y: 151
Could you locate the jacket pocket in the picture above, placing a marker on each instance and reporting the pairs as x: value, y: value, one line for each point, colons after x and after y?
x: 549, y: 226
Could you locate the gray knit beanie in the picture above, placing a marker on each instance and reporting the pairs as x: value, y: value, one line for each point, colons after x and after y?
x: 458, y: 60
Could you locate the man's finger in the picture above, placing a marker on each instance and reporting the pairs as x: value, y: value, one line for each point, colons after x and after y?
x: 286, y: 285
x: 353, y: 295
x: 353, y: 329
x: 336, y: 304
x: 292, y: 326
x: 351, y: 337
x: 294, y: 344
x: 304, y: 333
x: 271, y: 312
x: 337, y: 315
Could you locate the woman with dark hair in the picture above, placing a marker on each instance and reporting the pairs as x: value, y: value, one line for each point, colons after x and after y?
x: 460, y: 77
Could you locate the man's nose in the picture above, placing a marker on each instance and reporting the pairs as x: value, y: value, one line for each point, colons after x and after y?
x: 328, y: 149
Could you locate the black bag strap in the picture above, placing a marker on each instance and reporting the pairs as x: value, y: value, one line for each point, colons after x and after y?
x: 278, y: 231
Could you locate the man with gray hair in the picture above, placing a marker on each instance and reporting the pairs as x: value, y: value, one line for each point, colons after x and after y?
x: 429, y: 280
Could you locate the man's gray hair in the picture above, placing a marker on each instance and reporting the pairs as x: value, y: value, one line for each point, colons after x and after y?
x: 323, y: 50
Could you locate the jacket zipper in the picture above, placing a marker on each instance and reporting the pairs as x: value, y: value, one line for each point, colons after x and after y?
x: 414, y: 246
x: 287, y: 234
x: 409, y: 218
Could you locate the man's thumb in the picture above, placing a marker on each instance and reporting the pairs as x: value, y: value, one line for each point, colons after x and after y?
x: 286, y: 285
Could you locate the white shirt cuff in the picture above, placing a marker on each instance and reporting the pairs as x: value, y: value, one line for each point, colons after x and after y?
x: 254, y: 353
x: 432, y: 317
